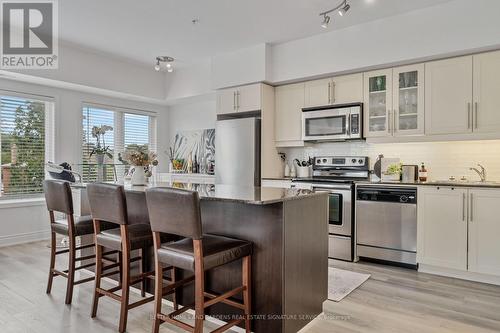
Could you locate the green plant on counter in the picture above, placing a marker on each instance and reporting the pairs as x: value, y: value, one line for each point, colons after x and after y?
x: 394, y: 169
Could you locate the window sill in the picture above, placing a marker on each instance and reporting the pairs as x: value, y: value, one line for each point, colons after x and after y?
x: 16, y: 203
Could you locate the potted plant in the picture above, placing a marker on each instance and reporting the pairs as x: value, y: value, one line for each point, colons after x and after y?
x: 101, y: 150
x: 394, y: 172
x: 142, y: 162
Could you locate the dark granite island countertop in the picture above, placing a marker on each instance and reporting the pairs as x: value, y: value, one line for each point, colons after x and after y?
x: 242, y: 194
x: 289, y: 232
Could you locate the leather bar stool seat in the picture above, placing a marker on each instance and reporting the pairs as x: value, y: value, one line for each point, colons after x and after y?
x: 140, y: 237
x: 217, y: 251
x: 84, y: 225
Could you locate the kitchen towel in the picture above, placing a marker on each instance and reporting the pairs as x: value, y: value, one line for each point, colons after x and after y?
x: 341, y: 283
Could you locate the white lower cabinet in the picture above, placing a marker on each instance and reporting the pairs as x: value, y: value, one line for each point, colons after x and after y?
x: 459, y: 229
x: 442, y: 227
x: 484, y: 231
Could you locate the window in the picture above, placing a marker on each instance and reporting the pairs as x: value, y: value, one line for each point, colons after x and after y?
x: 129, y: 130
x: 26, y: 145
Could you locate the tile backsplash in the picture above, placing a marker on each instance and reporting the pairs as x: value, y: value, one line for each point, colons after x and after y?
x: 442, y: 159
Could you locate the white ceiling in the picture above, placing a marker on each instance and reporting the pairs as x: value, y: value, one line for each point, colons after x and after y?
x: 142, y: 29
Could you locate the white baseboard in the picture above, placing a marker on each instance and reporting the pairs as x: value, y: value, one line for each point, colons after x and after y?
x: 169, y: 303
x: 24, y: 238
x: 458, y: 274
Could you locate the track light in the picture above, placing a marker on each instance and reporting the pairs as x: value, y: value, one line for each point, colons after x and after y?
x: 164, y: 59
x: 344, y: 9
x: 341, y: 9
x: 326, y: 21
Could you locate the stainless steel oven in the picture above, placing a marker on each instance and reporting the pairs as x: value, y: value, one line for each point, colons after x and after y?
x: 336, y: 175
x: 339, y: 219
x: 332, y: 123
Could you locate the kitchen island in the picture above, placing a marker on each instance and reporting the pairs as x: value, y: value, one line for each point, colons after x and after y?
x: 289, y: 230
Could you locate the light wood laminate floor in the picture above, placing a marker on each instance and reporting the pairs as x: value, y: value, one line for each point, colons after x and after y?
x: 392, y: 300
x: 402, y: 300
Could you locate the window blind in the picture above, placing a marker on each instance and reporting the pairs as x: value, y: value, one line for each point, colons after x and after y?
x: 25, y: 145
x: 130, y: 131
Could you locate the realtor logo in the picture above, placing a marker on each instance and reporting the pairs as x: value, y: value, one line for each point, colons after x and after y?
x: 29, y: 34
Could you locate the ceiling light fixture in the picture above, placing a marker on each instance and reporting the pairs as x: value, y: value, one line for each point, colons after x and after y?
x: 326, y: 21
x: 164, y: 59
x: 344, y: 9
x: 341, y: 8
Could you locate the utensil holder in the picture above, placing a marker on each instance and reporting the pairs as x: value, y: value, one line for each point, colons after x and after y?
x: 303, y: 172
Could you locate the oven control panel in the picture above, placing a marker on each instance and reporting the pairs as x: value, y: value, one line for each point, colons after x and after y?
x: 341, y: 161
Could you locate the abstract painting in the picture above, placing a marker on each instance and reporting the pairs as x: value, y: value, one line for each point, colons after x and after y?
x: 199, y: 143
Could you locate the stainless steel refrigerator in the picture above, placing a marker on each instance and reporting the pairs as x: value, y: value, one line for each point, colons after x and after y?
x: 237, y: 151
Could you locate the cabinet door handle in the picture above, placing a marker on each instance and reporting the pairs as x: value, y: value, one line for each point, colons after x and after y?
x: 475, y: 107
x: 394, y: 121
x: 389, y: 121
x: 237, y: 100
x: 463, y: 206
x: 329, y: 93
x: 333, y: 92
x: 471, y: 208
x: 234, y: 100
x: 468, y: 115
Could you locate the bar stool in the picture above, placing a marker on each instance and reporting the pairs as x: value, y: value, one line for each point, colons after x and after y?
x: 176, y: 211
x: 59, y: 199
x: 108, y: 204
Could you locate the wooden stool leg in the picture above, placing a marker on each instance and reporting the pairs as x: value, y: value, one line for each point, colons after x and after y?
x: 98, y: 272
x: 52, y: 261
x: 142, y: 269
x: 71, y: 270
x: 125, y: 289
x: 158, y: 294
x: 246, y: 282
x: 199, y: 288
x: 174, y: 295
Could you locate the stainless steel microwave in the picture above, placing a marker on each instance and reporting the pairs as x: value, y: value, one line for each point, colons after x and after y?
x: 332, y: 123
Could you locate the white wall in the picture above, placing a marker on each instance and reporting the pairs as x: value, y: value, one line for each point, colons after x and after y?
x: 192, y: 116
x: 189, y: 81
x: 30, y: 222
x: 243, y: 66
x: 450, y: 28
x: 443, y: 159
x: 84, y: 67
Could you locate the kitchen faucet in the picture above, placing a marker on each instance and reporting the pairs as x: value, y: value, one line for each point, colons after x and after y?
x: 482, y: 173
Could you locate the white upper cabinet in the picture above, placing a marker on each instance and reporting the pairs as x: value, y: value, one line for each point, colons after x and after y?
x: 347, y: 89
x: 448, y: 96
x: 249, y: 98
x: 318, y: 93
x: 408, y: 103
x: 484, y: 231
x: 442, y: 227
x: 486, y: 116
x: 240, y: 99
x: 338, y: 90
x: 378, y: 103
x: 226, y: 101
x: 289, y: 101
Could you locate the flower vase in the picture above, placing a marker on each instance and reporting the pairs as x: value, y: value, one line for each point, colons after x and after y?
x: 139, y: 177
x: 100, y: 167
x: 99, y: 159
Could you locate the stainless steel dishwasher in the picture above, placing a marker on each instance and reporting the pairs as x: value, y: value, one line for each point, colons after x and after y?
x: 386, y: 224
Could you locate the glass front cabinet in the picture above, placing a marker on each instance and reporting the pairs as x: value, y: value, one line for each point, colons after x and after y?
x: 394, y: 102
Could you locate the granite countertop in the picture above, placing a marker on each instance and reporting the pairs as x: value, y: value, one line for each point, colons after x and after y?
x: 452, y: 183
x: 456, y: 183
x: 240, y: 194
